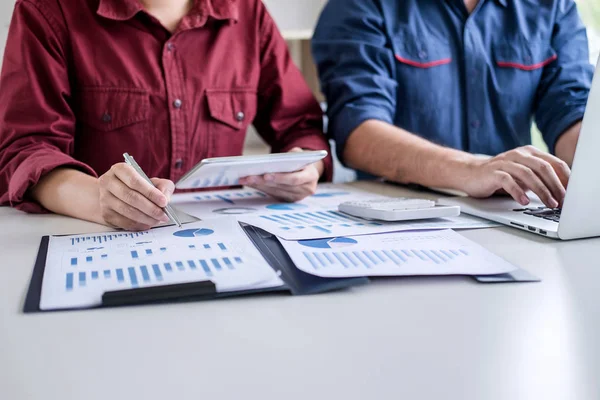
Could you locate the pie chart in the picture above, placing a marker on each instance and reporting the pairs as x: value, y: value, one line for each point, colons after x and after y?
x: 328, y: 243
x: 189, y: 233
x: 285, y: 206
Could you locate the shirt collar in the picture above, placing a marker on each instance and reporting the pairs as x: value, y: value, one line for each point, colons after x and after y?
x: 122, y: 10
x: 502, y: 2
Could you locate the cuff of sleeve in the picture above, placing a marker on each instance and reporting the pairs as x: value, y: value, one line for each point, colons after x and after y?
x: 559, y: 125
x: 315, y: 142
x: 347, y: 120
x: 31, y: 170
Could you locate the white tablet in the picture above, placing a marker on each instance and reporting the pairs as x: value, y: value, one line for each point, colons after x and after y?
x: 226, y: 171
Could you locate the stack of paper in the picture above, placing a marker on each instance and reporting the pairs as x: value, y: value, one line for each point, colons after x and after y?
x: 80, y: 268
x: 320, y: 240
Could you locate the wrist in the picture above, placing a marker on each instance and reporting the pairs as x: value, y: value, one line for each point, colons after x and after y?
x: 320, y: 166
x: 461, y: 170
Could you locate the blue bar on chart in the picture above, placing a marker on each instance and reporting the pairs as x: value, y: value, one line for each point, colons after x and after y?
x: 82, y: 279
x: 228, y: 263
x: 94, y: 275
x: 88, y: 259
x: 107, y: 274
x: 69, y: 283
x: 238, y: 260
x: 157, y: 272
x: 163, y: 249
x: 392, y: 257
x: 192, y: 264
x: 216, y: 263
x: 74, y: 261
x: 134, y: 254
x: 168, y: 267
x: 104, y: 256
x: 192, y: 246
x: 179, y: 265
x: 145, y: 274
x: 222, y: 246
x: 207, y: 246
x: 399, y: 255
x: 341, y: 260
x: 319, y: 259
x: 120, y: 276
x: 148, y: 252
x: 132, y: 276
x: 310, y: 260
x: 205, y: 267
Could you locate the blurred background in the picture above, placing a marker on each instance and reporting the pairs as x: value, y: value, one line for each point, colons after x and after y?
x: 297, y: 18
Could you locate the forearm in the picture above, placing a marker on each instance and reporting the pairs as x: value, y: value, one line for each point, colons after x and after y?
x: 69, y: 192
x: 395, y: 154
x: 567, y: 142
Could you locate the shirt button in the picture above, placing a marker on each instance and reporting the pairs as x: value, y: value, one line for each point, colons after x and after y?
x: 528, y: 60
x: 170, y: 46
x: 240, y: 116
x: 178, y: 163
x: 177, y: 103
x: 422, y: 54
x: 476, y: 124
x: 106, y: 118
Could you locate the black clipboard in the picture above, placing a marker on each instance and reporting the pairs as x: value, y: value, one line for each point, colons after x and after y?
x: 296, y: 282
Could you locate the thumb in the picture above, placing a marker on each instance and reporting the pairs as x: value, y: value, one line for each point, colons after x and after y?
x: 166, y: 186
x: 296, y: 150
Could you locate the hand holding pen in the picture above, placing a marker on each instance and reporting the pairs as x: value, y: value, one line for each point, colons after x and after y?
x: 130, y: 201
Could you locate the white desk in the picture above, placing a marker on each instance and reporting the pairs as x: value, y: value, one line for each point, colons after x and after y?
x: 434, y: 338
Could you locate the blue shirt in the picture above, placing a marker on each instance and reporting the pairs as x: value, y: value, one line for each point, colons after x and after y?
x: 472, y: 82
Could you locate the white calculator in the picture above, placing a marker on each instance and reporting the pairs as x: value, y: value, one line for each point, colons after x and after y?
x: 398, y: 209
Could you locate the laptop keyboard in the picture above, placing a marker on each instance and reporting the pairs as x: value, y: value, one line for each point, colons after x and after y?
x: 550, y: 214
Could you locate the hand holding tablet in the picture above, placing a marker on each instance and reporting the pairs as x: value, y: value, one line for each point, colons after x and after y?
x: 227, y: 171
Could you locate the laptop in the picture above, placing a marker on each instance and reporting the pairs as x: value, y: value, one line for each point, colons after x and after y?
x: 580, y: 214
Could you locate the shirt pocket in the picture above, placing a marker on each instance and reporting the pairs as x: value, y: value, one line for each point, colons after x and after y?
x: 519, y: 68
x: 423, y: 68
x: 110, y: 122
x: 112, y: 109
x: 231, y: 113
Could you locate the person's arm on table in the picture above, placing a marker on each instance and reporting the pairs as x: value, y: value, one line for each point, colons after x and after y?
x: 37, y: 131
x: 289, y: 118
x: 388, y: 151
x: 565, y: 84
x: 362, y: 104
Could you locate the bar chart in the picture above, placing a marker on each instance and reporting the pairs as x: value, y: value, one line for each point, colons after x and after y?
x: 395, y: 254
x: 322, y: 221
x: 230, y: 196
x: 153, y: 273
x: 99, y: 239
x: 77, y: 275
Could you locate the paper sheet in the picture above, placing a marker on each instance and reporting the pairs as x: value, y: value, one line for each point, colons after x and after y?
x: 315, y: 223
x: 442, y: 252
x: 242, y: 202
x: 80, y: 268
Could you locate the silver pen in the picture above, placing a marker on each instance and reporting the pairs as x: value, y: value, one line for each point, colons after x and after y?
x: 168, y: 209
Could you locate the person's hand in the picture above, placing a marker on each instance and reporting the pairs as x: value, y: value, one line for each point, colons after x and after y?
x: 127, y: 201
x: 517, y: 171
x: 290, y: 187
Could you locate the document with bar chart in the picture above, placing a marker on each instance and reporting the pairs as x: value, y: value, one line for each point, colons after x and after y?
x: 80, y: 268
x: 316, y: 223
x: 442, y: 252
x: 240, y: 202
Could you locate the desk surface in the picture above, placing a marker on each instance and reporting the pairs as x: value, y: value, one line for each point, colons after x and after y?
x: 411, y: 338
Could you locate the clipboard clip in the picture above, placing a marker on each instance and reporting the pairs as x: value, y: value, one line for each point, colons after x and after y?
x: 153, y: 294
